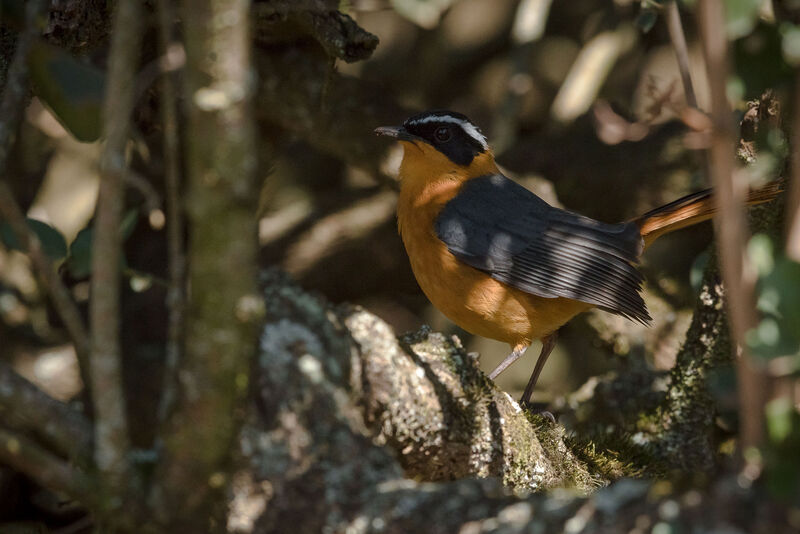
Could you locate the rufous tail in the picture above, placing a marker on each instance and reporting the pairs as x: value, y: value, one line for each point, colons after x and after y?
x: 693, y: 209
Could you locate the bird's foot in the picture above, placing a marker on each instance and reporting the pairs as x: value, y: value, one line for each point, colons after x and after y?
x: 538, y: 408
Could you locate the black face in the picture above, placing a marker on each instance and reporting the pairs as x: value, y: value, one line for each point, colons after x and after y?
x: 451, y: 133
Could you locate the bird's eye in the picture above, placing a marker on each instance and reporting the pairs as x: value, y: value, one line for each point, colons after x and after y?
x: 442, y: 134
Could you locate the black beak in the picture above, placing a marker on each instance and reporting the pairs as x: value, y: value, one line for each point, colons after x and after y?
x: 398, y: 132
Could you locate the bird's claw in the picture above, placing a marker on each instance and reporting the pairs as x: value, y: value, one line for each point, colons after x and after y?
x: 538, y: 409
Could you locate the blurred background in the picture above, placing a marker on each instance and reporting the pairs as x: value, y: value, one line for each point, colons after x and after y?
x: 580, y: 101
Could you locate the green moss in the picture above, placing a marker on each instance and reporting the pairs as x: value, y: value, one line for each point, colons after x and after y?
x: 618, y: 455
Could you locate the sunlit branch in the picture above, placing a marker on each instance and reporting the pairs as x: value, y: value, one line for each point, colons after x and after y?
x: 730, y: 223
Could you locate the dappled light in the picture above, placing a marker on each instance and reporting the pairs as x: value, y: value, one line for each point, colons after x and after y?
x: 559, y: 291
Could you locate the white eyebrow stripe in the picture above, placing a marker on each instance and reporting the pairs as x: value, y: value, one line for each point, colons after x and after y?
x: 468, y: 127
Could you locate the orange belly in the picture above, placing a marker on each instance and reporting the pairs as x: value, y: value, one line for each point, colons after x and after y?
x: 481, y: 305
x: 468, y: 297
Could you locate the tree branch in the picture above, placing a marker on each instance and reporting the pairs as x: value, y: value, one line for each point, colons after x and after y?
x: 222, y: 165
x: 176, y: 296
x: 26, y: 407
x: 50, y: 471
x: 678, y: 38
x: 335, y: 390
x: 336, y: 32
x: 793, y: 202
x: 424, y: 397
x: 730, y: 224
x: 316, y: 388
x: 683, y: 426
x: 111, y: 428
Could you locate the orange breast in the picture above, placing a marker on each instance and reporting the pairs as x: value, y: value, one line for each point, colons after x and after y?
x: 467, y: 296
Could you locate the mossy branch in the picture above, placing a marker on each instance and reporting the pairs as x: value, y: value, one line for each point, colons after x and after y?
x: 345, y: 410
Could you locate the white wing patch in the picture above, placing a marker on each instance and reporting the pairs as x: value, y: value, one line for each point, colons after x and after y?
x: 469, y: 128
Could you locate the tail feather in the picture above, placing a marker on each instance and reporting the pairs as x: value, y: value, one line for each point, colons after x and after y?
x: 693, y: 209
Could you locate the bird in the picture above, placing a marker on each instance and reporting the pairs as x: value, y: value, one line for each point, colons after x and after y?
x: 502, y: 263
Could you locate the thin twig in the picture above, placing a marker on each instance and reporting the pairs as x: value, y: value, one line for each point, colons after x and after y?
x: 173, y: 59
x: 26, y: 407
x: 11, y: 113
x: 678, y: 38
x: 176, y: 298
x: 134, y: 180
x: 52, y: 472
x: 111, y: 428
x: 730, y: 224
x: 793, y: 202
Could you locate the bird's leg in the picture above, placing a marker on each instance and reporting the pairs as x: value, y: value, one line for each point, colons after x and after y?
x: 548, y: 342
x: 518, y: 351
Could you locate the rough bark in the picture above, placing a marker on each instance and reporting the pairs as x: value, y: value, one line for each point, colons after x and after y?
x: 343, y: 413
x: 304, y: 95
x: 223, y: 308
x: 422, y: 396
x: 336, y: 32
x: 342, y: 409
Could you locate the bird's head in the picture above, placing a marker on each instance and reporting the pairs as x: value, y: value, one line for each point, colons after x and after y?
x: 443, y: 141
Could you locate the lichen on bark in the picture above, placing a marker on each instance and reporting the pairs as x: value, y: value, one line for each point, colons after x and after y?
x: 421, y: 396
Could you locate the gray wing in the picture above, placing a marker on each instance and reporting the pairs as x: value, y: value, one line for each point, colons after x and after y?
x: 499, y: 227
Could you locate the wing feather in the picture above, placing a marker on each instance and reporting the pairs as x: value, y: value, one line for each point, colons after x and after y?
x: 501, y: 228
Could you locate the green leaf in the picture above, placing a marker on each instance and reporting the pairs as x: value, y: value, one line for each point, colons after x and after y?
x: 79, y: 261
x: 648, y: 14
x: 698, y: 270
x: 7, y: 237
x: 73, y: 90
x: 780, y: 413
x: 741, y: 17
x: 761, y: 253
x: 782, y: 460
x: 790, y: 44
x: 53, y: 243
x: 646, y: 20
x: 779, y: 302
x: 128, y: 224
